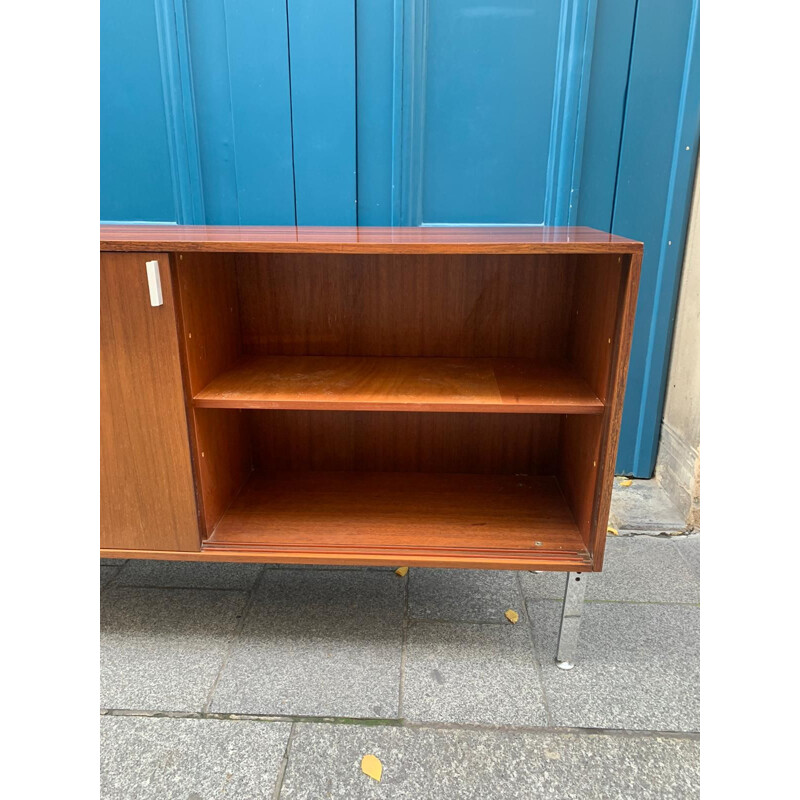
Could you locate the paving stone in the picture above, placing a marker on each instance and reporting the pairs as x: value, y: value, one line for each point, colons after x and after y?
x: 191, y: 574
x: 106, y: 574
x: 689, y: 548
x: 462, y: 595
x: 426, y: 764
x: 472, y: 673
x: 161, y: 649
x: 641, y: 569
x: 145, y: 758
x: 644, y: 506
x: 318, y: 643
x: 637, y: 666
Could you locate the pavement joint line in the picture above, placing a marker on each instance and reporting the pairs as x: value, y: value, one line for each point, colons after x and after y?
x: 620, y: 602
x: 235, y: 637
x: 240, y: 590
x: 534, y: 653
x: 113, y: 579
x: 327, y: 567
x: 502, y: 622
x: 404, y: 639
x: 390, y: 722
x: 692, y: 567
x: 401, y: 723
x: 284, y: 764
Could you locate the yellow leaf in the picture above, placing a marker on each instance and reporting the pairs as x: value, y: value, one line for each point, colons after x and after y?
x: 512, y: 616
x: 371, y: 765
x: 401, y: 572
x: 626, y: 482
x: 613, y: 530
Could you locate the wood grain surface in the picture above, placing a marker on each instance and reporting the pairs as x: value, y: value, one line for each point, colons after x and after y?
x: 147, y: 497
x: 254, y: 239
x: 403, y: 512
x: 400, y: 384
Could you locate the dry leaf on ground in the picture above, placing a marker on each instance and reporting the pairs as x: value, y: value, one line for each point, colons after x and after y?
x: 371, y: 766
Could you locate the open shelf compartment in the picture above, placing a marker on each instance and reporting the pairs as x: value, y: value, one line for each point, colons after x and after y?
x: 383, y: 513
x: 436, y: 410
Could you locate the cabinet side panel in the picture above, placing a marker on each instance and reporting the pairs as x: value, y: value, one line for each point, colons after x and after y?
x: 578, y: 466
x: 209, y: 304
x: 223, y: 458
x: 595, y: 307
x: 439, y: 305
x: 600, y: 340
x: 147, y: 498
x: 626, y: 312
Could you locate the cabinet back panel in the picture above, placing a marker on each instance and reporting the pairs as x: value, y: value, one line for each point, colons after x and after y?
x: 404, y: 442
x: 383, y: 305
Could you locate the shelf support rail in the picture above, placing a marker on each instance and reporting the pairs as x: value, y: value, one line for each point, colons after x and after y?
x: 571, y: 613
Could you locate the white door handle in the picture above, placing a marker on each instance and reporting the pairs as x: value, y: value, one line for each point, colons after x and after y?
x: 154, y: 282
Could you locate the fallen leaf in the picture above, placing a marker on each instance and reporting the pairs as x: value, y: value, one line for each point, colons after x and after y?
x: 626, y: 482
x: 613, y: 530
x: 401, y: 572
x: 371, y: 765
x: 512, y: 616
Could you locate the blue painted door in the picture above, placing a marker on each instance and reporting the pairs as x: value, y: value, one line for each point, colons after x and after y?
x: 411, y: 112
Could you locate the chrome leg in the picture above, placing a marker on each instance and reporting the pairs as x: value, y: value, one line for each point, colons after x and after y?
x: 571, y: 619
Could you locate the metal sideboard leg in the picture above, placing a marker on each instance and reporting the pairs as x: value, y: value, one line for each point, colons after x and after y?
x: 571, y: 619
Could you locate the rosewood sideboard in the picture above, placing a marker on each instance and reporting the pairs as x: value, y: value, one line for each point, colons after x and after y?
x: 426, y: 397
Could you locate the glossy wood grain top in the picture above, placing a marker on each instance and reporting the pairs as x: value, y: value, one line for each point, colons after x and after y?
x: 255, y: 239
x: 400, y: 384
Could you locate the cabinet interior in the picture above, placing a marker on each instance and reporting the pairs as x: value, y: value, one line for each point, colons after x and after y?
x: 433, y: 404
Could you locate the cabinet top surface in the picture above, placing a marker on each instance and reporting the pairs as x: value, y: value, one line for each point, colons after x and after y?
x: 256, y: 239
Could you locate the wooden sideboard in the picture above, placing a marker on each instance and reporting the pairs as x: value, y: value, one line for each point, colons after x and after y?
x: 444, y: 397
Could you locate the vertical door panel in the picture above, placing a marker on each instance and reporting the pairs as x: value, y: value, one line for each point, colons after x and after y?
x: 375, y: 65
x: 490, y: 75
x: 240, y: 72
x: 322, y: 54
x: 653, y: 198
x: 147, y: 498
x: 605, y: 112
x: 135, y: 172
x: 490, y: 109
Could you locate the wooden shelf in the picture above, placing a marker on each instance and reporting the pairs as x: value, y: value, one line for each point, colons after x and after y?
x: 455, y: 520
x: 400, y: 384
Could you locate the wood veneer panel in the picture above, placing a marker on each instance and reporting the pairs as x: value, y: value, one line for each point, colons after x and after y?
x: 209, y: 304
x: 400, y: 384
x: 434, y: 306
x: 224, y: 459
x: 612, y: 415
x: 578, y: 460
x: 147, y: 497
x: 368, y: 512
x: 497, y: 559
x: 403, y: 442
x: 221, y: 238
x: 593, y: 329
